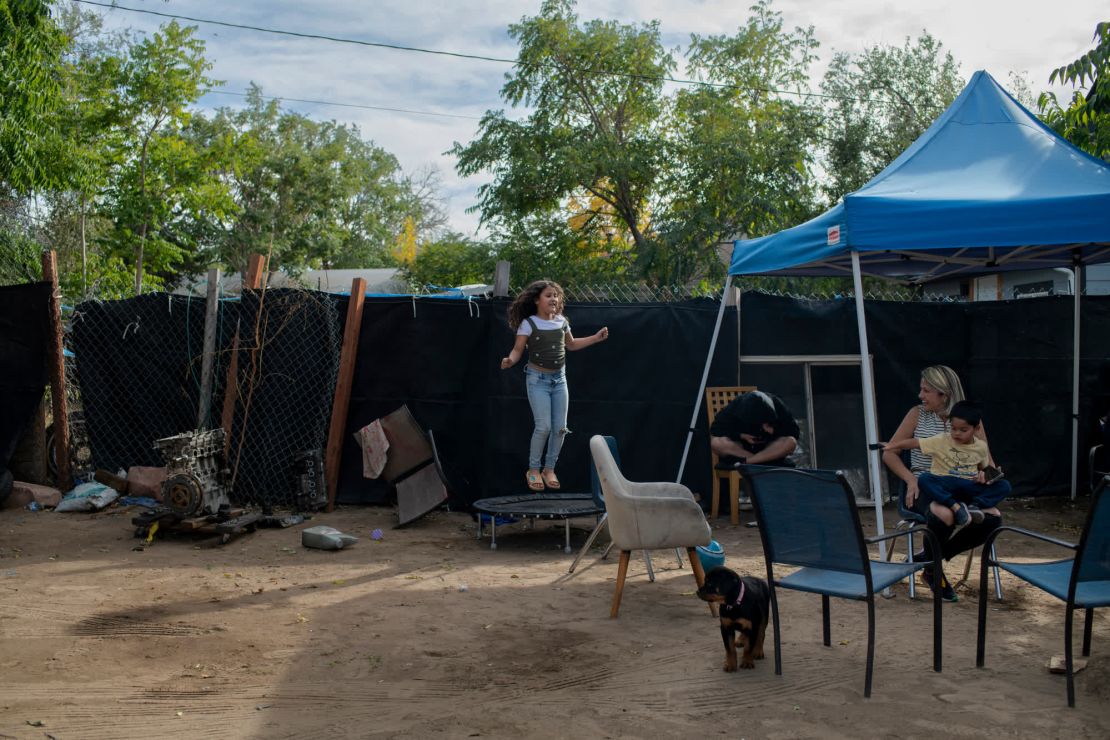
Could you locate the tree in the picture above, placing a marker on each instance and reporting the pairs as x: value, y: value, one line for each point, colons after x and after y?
x: 880, y: 101
x: 596, y: 95
x: 316, y: 194
x: 160, y: 180
x: 653, y: 181
x: 1093, y: 65
x: 89, y: 126
x: 740, y: 147
x: 31, y: 45
x: 1086, y: 120
x: 19, y: 254
x: 450, y: 261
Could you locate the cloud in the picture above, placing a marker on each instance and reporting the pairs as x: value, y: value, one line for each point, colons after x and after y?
x: 995, y: 35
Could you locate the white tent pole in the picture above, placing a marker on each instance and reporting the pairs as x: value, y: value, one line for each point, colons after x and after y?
x: 869, y: 415
x: 704, y: 378
x: 1077, y: 291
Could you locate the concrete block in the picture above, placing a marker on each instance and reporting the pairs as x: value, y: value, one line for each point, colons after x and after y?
x: 24, y: 493
x: 146, y: 481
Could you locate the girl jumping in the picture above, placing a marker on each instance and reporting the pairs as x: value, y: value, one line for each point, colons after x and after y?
x: 537, y: 317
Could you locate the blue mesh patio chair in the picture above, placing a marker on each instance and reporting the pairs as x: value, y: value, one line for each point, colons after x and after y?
x: 808, y: 520
x: 1081, y: 582
x: 1098, y: 464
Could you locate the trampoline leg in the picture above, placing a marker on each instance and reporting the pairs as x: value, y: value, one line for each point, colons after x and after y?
x: 678, y: 555
x: 479, y: 526
x: 605, y: 554
x: 589, y: 542
x: 650, y: 570
x: 493, y: 531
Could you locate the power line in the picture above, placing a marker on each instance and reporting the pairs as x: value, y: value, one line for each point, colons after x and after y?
x: 459, y: 55
x: 281, y: 32
x: 346, y: 105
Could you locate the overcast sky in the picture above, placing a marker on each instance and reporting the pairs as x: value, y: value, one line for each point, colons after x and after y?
x: 1000, y: 36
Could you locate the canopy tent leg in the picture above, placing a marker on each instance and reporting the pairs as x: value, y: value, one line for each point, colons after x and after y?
x: 704, y: 378
x: 1077, y: 293
x: 870, y: 419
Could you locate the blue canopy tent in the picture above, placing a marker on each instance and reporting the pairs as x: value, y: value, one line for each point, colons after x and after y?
x: 987, y: 188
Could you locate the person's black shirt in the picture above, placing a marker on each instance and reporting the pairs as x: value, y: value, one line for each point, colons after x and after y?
x: 747, y: 414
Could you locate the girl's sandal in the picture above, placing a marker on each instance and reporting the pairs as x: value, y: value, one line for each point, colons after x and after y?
x: 535, y: 482
x: 551, y: 481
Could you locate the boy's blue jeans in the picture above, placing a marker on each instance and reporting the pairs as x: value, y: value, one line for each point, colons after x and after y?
x: 548, y: 396
x: 948, y: 489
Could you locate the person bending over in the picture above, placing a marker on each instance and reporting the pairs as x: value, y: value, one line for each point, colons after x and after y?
x: 755, y: 428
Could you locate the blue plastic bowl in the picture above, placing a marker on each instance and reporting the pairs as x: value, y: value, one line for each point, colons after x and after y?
x: 711, y: 555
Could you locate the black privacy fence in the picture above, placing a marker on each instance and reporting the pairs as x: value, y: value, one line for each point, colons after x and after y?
x: 139, y: 362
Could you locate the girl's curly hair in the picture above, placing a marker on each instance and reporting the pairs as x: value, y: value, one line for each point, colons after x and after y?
x: 525, y: 303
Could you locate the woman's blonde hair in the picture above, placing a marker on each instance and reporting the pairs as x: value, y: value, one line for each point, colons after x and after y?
x: 945, y: 380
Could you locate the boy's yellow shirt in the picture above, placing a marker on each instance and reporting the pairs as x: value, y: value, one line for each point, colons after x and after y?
x: 950, y: 458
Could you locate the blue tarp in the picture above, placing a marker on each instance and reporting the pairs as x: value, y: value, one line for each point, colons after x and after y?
x: 987, y: 188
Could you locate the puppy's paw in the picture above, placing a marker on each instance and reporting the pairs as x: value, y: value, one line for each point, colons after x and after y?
x: 758, y: 654
x: 730, y: 666
x: 747, y: 663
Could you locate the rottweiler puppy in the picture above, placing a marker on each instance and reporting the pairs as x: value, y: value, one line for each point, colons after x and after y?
x: 744, y: 605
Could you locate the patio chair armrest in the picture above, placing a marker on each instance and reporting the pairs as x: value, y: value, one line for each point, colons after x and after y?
x: 900, y: 533
x: 925, y: 532
x: 662, y: 489
x: 1028, y: 533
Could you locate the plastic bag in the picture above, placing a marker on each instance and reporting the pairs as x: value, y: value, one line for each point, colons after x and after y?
x: 87, y: 497
x: 326, y: 538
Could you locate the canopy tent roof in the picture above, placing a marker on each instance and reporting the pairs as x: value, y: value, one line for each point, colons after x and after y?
x: 987, y: 188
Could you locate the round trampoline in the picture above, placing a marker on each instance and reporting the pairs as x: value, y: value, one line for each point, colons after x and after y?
x: 563, y: 506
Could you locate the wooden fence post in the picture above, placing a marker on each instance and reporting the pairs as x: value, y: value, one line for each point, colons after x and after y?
x: 211, y: 311
x: 57, y: 373
x: 343, y: 382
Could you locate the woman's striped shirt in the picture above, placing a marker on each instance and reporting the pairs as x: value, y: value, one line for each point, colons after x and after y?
x: 929, y: 424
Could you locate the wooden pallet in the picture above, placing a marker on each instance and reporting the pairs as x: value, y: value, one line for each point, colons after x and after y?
x: 226, y: 524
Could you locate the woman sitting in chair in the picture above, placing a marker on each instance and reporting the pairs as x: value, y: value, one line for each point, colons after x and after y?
x: 940, y: 391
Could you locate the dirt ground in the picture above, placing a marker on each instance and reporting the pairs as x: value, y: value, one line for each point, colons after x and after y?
x: 429, y: 633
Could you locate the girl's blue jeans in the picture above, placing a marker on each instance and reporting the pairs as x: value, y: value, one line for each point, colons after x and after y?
x: 548, y: 397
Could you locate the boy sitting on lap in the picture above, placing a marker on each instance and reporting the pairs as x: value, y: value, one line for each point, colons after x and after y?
x: 957, y: 480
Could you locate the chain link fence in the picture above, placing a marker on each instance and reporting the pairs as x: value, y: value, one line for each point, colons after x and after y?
x: 138, y: 365
x: 622, y: 293
x: 819, y: 291
x: 287, y: 364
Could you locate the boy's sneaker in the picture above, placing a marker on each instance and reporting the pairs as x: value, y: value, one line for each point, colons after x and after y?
x: 962, y: 516
x: 975, y: 513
